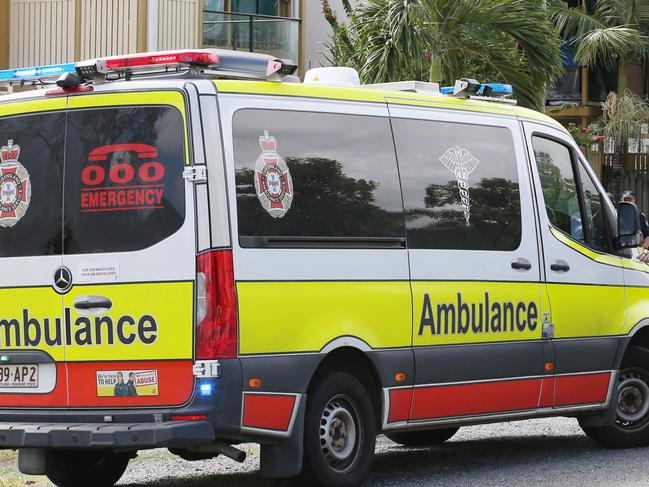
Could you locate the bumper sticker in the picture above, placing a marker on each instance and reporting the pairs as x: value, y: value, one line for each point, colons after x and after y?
x: 127, y: 383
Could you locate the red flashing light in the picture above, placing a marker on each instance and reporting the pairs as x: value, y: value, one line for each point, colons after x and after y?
x: 163, y: 59
x: 216, y: 333
x: 194, y: 417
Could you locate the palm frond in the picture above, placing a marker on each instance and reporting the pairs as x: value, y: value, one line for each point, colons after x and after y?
x: 604, y: 46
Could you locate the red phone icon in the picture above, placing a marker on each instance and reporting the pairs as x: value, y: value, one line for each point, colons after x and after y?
x: 143, y: 151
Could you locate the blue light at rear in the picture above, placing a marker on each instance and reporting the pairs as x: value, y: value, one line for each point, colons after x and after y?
x: 206, y: 389
x: 37, y: 72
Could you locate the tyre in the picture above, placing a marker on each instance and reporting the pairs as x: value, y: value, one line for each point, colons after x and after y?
x: 631, y: 428
x: 422, y: 438
x: 72, y: 468
x: 339, y: 432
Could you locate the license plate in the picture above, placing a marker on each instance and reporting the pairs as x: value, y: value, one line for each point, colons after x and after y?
x: 21, y: 376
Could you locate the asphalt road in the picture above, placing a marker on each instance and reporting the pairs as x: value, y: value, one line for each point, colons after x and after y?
x: 544, y: 452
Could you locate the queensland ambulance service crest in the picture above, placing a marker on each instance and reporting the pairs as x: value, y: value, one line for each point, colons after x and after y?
x: 15, y: 186
x: 272, y: 178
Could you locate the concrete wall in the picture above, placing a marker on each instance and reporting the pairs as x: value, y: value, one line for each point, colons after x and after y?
x: 317, y: 32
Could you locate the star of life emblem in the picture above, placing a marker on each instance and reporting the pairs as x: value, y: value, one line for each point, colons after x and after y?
x: 15, y: 186
x: 272, y: 178
x: 461, y: 163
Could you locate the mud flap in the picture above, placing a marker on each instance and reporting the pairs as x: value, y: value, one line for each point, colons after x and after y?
x: 284, y: 460
x: 32, y: 461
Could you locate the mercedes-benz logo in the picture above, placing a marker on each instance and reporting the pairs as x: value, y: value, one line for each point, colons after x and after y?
x: 62, y: 279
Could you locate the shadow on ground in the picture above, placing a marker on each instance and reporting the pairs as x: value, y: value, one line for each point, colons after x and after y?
x: 460, y: 462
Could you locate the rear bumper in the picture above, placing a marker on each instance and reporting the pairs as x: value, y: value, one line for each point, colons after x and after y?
x: 122, y: 436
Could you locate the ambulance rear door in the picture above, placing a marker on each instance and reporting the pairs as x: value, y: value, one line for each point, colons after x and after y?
x: 129, y: 246
x: 32, y: 351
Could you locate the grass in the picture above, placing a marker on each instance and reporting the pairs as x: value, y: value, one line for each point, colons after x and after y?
x: 11, y: 477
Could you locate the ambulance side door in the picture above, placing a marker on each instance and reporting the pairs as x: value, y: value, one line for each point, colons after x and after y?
x: 474, y: 263
x: 584, y: 278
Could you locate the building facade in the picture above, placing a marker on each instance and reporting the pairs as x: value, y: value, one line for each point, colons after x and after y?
x: 40, y: 32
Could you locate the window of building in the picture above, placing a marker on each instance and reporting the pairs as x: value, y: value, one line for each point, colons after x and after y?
x: 460, y: 185
x: 124, y: 189
x: 311, y: 175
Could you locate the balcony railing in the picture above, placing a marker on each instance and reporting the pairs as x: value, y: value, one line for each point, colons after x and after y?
x: 277, y: 36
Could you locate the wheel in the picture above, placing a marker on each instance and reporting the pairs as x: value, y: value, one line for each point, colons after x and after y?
x: 422, y: 438
x: 631, y: 428
x: 71, y: 468
x: 339, y: 432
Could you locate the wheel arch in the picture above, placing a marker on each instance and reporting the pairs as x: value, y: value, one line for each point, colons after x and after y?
x: 637, y: 337
x: 351, y: 355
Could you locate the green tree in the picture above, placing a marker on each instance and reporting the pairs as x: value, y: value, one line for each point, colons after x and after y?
x: 613, y: 34
x: 622, y: 119
x: 513, y: 41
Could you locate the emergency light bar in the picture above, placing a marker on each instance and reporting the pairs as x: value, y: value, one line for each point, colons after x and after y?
x: 36, y: 72
x: 497, y: 89
x: 210, y: 61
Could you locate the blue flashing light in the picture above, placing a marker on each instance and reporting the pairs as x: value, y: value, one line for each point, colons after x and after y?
x: 206, y: 389
x: 37, y: 72
x: 498, y: 89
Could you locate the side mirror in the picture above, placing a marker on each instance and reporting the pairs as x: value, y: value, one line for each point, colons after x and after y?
x: 628, y: 226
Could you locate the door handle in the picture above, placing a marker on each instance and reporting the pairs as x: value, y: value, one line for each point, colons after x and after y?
x: 560, y: 266
x: 521, y: 264
x: 85, y: 303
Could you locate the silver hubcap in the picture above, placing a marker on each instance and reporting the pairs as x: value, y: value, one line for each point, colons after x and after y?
x: 632, y: 399
x: 339, y: 433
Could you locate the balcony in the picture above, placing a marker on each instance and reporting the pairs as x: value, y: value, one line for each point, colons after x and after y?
x: 277, y: 36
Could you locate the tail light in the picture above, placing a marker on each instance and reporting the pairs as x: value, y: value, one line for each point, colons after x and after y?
x: 216, y: 306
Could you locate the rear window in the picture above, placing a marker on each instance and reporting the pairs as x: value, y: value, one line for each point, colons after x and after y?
x: 124, y: 189
x: 313, y: 176
x: 31, y: 172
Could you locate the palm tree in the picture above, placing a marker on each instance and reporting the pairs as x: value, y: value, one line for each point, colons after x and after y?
x: 442, y: 40
x: 612, y: 35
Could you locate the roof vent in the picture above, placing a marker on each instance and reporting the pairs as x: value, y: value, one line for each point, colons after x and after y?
x: 332, y: 77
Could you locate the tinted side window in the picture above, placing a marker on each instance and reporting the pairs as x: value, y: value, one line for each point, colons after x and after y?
x: 460, y: 185
x: 554, y: 163
x: 301, y: 174
x: 31, y: 184
x: 594, y: 211
x: 124, y: 189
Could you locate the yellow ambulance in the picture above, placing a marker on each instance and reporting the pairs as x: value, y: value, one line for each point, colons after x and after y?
x: 198, y: 250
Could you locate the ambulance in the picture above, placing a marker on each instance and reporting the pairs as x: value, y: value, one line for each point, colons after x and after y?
x: 198, y: 250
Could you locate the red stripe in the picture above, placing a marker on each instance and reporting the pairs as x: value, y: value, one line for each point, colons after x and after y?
x: 469, y: 399
x: 581, y: 389
x: 547, y: 392
x: 400, y: 400
x: 268, y: 411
